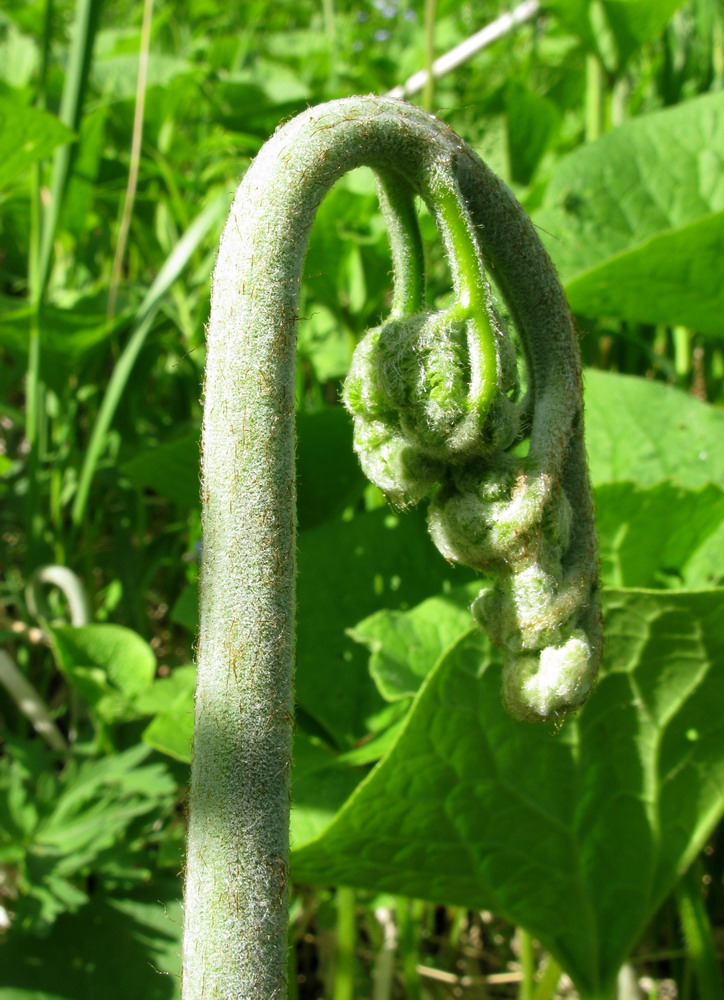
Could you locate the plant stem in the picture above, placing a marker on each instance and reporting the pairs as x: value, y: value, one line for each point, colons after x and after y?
x: 428, y: 91
x: 595, y: 97
x: 30, y: 703
x: 136, y: 140
x: 236, y: 887
x: 698, y: 933
x: 409, y: 917
x: 346, y: 943
x: 527, y: 962
x: 546, y: 986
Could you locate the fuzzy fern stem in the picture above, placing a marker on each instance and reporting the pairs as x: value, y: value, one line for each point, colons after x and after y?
x: 456, y: 402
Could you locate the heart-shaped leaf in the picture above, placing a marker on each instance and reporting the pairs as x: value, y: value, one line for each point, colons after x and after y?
x: 578, y: 835
x: 635, y: 220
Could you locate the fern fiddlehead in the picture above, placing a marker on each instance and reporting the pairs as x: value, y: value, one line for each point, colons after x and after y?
x: 438, y: 413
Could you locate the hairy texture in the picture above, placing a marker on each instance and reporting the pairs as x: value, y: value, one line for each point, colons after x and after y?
x: 436, y: 413
x: 430, y: 421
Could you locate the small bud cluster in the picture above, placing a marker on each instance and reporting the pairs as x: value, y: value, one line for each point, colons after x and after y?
x: 424, y: 428
x: 420, y: 406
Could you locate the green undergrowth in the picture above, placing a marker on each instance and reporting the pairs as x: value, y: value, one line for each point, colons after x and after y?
x: 448, y: 824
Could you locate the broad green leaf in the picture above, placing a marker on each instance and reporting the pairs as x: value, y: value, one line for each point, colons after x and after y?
x: 329, y: 478
x: 171, y: 700
x: 643, y: 432
x: 614, y: 28
x: 614, y: 208
x: 405, y: 645
x: 532, y: 121
x: 109, y: 664
x: 674, y: 278
x: 320, y: 787
x: 348, y: 570
x: 165, y: 690
x: 97, y: 803
x: 172, y: 730
x: 19, y: 56
x: 325, y: 344
x: 112, y: 948
x: 577, y: 833
x: 26, y: 136
x: 170, y: 469
x: 665, y: 535
x: 634, y: 22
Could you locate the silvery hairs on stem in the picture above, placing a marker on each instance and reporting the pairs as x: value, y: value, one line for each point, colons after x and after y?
x: 439, y: 414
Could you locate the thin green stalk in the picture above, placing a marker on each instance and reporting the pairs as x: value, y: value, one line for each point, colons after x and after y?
x: 595, y: 97
x: 346, y: 944
x: 71, y: 108
x: 546, y: 986
x: 527, y: 963
x: 44, y: 224
x: 330, y: 30
x: 383, y: 976
x: 135, y: 161
x: 699, y: 936
x: 681, y: 336
x: 428, y: 92
x: 398, y: 206
x: 409, y: 915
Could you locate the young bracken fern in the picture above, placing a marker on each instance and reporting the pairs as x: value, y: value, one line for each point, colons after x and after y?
x: 439, y: 414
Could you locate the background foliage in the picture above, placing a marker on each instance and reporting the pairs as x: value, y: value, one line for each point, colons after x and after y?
x: 124, y: 129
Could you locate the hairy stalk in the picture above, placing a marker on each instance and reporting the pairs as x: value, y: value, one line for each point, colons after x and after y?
x: 435, y: 402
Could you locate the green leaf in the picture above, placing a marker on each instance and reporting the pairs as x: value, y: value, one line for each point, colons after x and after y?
x: 628, y: 23
x: 172, y: 730
x: 616, y: 208
x: 405, y: 645
x: 97, y: 803
x: 109, y: 664
x: 68, y: 334
x: 643, y: 432
x: 320, y: 787
x: 329, y: 477
x: 662, y: 536
x: 26, y: 136
x: 325, y: 344
x: 532, y: 122
x: 674, y: 278
x: 165, y: 690
x: 576, y: 834
x: 115, y: 76
x: 634, y: 22
x: 348, y: 570
x: 112, y: 948
x: 170, y: 469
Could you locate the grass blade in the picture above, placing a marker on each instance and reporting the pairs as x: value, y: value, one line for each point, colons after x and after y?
x: 145, y: 316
